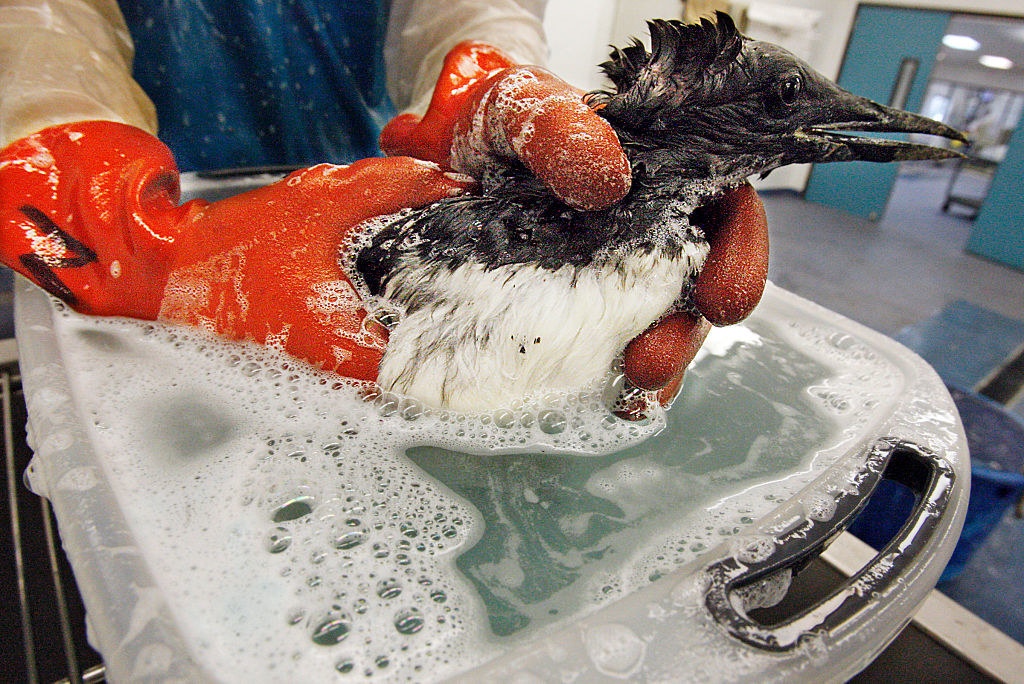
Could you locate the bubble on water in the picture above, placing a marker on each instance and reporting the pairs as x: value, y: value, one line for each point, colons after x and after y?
x: 389, y: 588
x: 614, y: 649
x: 412, y: 409
x: 754, y: 549
x: 294, y: 508
x: 552, y: 422
x: 278, y: 540
x: 331, y: 630
x: 766, y: 592
x: 409, y: 621
x: 388, y: 403
x: 251, y: 369
x: 349, y: 540
x: 821, y: 507
x: 344, y: 666
x: 842, y: 341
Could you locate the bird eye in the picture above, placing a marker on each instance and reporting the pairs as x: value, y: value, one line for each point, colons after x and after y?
x: 790, y: 88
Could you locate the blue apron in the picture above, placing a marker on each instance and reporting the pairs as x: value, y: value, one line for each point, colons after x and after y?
x: 260, y: 82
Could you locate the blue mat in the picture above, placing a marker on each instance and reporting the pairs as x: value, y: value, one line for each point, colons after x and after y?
x: 964, y: 342
x: 992, y: 584
x: 996, y: 441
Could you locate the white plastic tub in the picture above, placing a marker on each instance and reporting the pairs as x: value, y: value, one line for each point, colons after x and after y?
x: 560, y: 568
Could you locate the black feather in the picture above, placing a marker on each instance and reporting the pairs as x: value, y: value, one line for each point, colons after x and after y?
x: 515, y: 221
x: 686, y: 64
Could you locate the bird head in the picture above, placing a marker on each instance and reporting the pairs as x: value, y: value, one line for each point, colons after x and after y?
x: 708, y: 101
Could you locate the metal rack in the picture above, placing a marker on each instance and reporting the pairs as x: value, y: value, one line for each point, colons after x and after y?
x: 50, y: 624
x: 979, y: 166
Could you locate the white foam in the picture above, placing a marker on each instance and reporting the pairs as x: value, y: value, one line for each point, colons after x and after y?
x: 272, y: 501
x: 293, y: 538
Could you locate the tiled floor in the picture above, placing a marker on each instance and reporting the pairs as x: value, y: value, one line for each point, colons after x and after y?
x: 964, y: 342
x: 889, y: 274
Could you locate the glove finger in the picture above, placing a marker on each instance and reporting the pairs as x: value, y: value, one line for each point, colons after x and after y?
x: 668, y: 393
x: 400, y: 183
x: 531, y: 114
x: 328, y: 196
x: 659, y: 355
x: 401, y: 137
x: 733, y: 277
x: 430, y: 137
x: 317, y: 205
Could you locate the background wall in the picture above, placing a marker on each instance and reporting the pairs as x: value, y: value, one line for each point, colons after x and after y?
x: 580, y: 33
x: 834, y: 32
x: 830, y: 47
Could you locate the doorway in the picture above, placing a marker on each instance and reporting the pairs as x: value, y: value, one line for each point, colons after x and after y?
x: 986, y: 102
x: 969, y: 73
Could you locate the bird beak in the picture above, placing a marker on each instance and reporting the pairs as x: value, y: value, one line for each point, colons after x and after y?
x: 853, y: 113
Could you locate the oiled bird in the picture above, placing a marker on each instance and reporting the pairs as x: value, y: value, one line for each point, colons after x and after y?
x: 513, y: 292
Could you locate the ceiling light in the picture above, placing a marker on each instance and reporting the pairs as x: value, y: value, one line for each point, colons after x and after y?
x: 995, y: 62
x: 958, y: 42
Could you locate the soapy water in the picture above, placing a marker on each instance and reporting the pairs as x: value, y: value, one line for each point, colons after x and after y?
x: 300, y: 530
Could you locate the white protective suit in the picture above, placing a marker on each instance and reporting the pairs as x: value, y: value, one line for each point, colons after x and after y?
x: 70, y: 60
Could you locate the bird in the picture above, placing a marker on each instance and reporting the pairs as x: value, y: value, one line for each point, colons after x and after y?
x: 511, y: 293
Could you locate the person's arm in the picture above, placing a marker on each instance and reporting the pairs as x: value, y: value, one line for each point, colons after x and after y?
x: 421, y: 32
x: 65, y: 61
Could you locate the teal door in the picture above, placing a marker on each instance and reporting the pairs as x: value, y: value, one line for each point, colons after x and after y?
x: 884, y: 41
x: 998, y: 232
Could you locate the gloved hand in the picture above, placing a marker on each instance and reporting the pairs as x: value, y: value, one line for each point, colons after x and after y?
x: 728, y: 288
x: 88, y: 211
x: 484, y: 106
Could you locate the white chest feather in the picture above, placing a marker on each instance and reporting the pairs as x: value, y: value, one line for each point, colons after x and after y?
x: 486, y: 338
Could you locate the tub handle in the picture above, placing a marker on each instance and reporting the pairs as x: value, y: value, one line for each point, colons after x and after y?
x: 929, y: 476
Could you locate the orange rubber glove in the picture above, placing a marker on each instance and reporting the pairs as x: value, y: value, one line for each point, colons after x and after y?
x: 484, y: 106
x: 728, y: 288
x: 88, y: 211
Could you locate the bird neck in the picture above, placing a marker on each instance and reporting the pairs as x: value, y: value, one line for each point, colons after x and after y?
x: 682, y: 178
